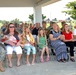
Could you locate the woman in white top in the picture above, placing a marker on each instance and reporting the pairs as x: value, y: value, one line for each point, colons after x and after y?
x: 12, y: 43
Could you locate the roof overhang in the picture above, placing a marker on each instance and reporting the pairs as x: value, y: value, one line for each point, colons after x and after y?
x: 45, y: 2
x: 17, y: 3
x: 25, y: 3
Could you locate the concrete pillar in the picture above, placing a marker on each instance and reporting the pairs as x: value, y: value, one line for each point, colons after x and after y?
x: 38, y: 14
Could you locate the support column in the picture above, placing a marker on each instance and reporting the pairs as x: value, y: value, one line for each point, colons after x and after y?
x: 38, y: 14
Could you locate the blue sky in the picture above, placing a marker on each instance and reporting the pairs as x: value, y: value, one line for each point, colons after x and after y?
x: 53, y: 11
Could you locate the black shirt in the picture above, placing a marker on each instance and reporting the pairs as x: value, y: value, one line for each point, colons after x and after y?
x: 35, y: 31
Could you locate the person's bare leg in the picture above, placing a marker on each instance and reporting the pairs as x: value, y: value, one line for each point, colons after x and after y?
x: 42, y: 52
x: 47, y: 51
x: 41, y: 57
x: 18, y: 59
x: 9, y: 56
x: 27, y: 60
x: 33, y: 60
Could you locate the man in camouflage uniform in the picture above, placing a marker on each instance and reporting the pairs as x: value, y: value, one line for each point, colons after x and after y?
x: 2, y: 56
x: 49, y: 29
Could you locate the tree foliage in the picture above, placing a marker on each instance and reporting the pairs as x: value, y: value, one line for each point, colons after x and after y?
x: 55, y: 19
x: 31, y: 17
x: 43, y: 16
x: 70, y: 9
x: 16, y: 20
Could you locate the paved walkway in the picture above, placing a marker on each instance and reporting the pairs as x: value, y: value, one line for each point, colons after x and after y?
x: 48, y: 68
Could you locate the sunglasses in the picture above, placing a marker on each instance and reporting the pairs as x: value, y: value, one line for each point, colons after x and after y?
x: 11, y: 26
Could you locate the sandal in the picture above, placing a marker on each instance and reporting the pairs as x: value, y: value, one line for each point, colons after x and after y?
x: 63, y: 60
x: 2, y: 68
x: 18, y: 64
x: 72, y: 59
x: 41, y: 59
x: 33, y: 63
x: 28, y: 64
x: 47, y: 59
x: 10, y: 65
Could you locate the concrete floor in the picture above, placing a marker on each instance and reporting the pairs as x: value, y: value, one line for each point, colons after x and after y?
x: 48, y: 68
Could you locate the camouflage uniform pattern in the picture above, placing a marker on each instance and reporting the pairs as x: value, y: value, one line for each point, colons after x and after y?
x: 49, y: 29
x: 2, y: 52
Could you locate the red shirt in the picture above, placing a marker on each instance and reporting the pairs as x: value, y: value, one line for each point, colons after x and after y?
x: 68, y: 36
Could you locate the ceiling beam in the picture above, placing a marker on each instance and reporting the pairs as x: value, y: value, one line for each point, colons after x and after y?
x: 45, y: 2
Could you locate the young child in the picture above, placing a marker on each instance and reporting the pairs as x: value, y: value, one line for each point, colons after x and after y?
x: 42, y: 43
x: 28, y: 44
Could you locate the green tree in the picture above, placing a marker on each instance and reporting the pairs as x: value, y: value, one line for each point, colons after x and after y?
x: 31, y: 17
x: 70, y: 9
x: 16, y: 20
x: 4, y: 21
x: 43, y: 17
x: 55, y: 19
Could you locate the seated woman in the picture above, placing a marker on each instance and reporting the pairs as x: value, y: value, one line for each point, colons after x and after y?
x: 28, y: 44
x: 12, y: 43
x: 2, y: 56
x: 69, y: 41
x: 56, y: 42
x: 74, y: 35
x: 42, y: 43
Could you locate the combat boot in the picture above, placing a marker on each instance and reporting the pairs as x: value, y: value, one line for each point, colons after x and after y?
x: 1, y: 67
